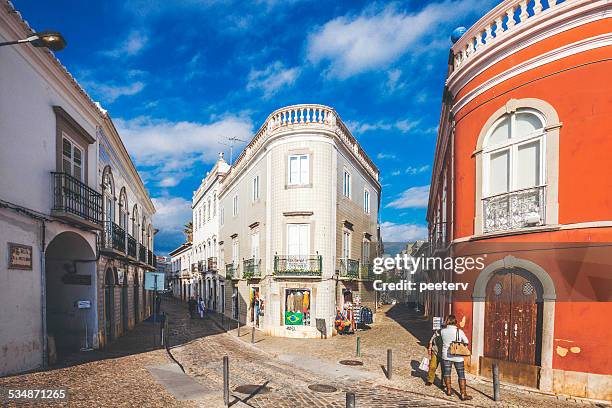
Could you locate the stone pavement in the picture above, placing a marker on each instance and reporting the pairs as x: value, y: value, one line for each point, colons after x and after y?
x: 406, y: 334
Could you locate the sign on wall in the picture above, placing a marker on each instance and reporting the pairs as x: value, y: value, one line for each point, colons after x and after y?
x: 20, y: 256
x: 437, y: 323
x: 152, y: 277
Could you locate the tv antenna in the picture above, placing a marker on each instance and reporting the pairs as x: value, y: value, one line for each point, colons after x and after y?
x: 231, y: 142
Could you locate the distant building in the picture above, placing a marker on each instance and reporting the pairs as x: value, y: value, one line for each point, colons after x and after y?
x: 298, y: 223
x: 182, y: 274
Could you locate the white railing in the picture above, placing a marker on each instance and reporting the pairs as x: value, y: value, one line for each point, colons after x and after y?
x: 498, y: 23
x: 515, y: 210
x: 296, y: 117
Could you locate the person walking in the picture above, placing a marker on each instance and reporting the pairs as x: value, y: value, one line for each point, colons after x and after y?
x: 450, y: 334
x: 201, y: 307
x: 191, y: 305
x: 435, y: 356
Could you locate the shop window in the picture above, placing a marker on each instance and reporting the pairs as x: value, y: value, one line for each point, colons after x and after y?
x: 297, y: 307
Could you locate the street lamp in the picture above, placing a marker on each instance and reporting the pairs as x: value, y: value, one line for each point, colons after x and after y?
x: 49, y: 39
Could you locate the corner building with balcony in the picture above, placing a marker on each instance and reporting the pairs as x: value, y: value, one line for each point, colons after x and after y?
x: 58, y: 147
x: 298, y: 216
x: 522, y: 174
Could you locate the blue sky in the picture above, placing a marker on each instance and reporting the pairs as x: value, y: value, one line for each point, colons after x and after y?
x: 179, y: 76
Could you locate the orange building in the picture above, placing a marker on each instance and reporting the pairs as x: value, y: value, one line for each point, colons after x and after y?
x: 523, y: 174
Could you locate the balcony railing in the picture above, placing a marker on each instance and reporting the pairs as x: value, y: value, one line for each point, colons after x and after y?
x: 252, y: 268
x: 231, y: 271
x: 131, y: 246
x: 212, y: 263
x: 114, y: 237
x: 150, y: 258
x: 366, y: 272
x: 142, y: 253
x: 514, y: 210
x: 75, y: 197
x: 298, y: 265
x: 348, y: 268
x: 438, y: 236
x: 201, y: 266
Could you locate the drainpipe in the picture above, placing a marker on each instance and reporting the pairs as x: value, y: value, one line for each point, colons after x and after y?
x: 43, y: 296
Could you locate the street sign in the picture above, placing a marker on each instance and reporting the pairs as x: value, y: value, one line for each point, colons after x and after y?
x: 150, y: 279
x: 83, y: 304
x: 437, y: 323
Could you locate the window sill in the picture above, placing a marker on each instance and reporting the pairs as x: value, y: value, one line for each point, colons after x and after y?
x: 292, y: 186
x: 522, y: 231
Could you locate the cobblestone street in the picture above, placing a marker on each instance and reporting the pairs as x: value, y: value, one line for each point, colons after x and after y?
x: 272, y: 373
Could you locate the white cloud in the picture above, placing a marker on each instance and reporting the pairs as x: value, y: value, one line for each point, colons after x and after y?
x: 355, y: 44
x: 392, y: 232
x: 171, y: 213
x: 110, y: 92
x: 396, y: 173
x: 414, y: 197
x: 382, y: 156
x: 272, y: 78
x: 172, y: 148
x: 416, y: 170
x: 403, y: 126
x: 132, y: 45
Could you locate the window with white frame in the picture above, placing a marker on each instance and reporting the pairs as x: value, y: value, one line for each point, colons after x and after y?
x: 255, y: 245
x: 365, y: 252
x: 366, y: 201
x: 346, y: 184
x: 513, y: 171
x: 208, y: 210
x: 255, y: 189
x: 298, y: 239
x: 299, y: 169
x: 235, y: 205
x: 72, y: 158
x: 235, y: 249
x: 215, y: 205
x: 221, y: 215
x: 346, y: 244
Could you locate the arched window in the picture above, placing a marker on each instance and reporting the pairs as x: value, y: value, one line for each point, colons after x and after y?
x: 135, y: 230
x: 150, y: 237
x: 143, y: 233
x: 517, y: 159
x: 108, y: 188
x: 123, y: 209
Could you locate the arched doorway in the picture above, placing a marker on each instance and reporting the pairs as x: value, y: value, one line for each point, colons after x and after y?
x: 70, y: 284
x: 109, y: 289
x: 513, y: 317
x: 124, y: 303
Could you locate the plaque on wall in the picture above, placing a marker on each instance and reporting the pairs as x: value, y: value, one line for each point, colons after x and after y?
x: 75, y: 279
x: 20, y: 256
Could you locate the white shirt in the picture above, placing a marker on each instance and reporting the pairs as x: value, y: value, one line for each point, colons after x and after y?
x: 449, y: 334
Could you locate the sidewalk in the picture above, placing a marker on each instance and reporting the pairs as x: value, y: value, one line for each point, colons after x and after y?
x: 406, y: 334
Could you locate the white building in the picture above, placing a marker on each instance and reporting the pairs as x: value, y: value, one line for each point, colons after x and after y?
x: 58, y: 147
x: 298, y: 218
x: 205, y: 245
x: 182, y: 275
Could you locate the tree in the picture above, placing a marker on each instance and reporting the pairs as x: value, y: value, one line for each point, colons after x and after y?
x: 188, y: 231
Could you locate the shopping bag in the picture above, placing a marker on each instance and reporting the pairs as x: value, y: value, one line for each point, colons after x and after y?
x: 424, y: 364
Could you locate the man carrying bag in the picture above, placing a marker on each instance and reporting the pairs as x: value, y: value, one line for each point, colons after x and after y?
x: 435, y: 356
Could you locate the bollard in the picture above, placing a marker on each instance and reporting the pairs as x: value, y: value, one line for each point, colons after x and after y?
x: 226, y: 380
x: 358, y: 347
x: 238, y: 321
x: 495, y: 382
x: 253, y: 335
x: 350, y: 400
x: 389, y: 363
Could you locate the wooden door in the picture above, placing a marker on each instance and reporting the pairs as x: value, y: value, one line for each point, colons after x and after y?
x: 497, y: 315
x: 511, y: 317
x: 523, y: 323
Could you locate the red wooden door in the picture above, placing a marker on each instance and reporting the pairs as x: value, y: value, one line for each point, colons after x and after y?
x: 511, y: 316
x: 497, y: 315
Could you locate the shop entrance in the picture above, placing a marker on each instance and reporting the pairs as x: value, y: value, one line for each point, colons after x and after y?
x: 70, y: 294
x: 255, y: 306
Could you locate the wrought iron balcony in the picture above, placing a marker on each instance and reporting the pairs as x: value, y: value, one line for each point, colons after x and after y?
x: 298, y: 265
x: 201, y: 266
x: 348, y: 268
x: 231, y: 271
x: 252, y: 268
x: 131, y: 246
x: 113, y: 238
x: 438, y: 235
x: 514, y: 210
x: 142, y: 253
x: 366, y: 272
x: 212, y: 263
x: 76, y: 201
x: 150, y: 258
